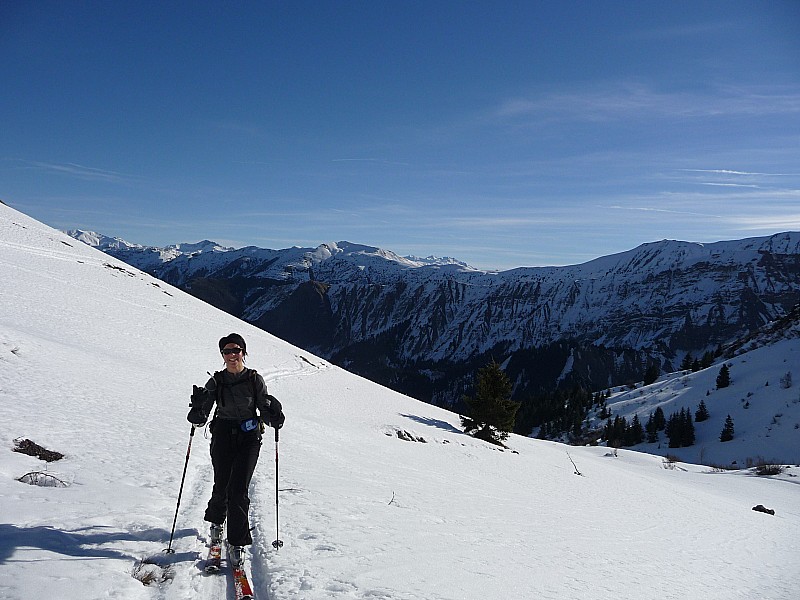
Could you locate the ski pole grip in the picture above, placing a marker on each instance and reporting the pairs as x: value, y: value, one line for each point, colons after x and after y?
x: 276, y: 434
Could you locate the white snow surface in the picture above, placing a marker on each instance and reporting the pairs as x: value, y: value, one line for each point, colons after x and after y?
x: 766, y: 415
x: 97, y: 361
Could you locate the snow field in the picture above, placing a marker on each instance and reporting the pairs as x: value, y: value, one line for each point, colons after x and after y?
x: 97, y: 362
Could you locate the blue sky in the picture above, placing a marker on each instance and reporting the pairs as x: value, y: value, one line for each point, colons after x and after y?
x: 501, y: 133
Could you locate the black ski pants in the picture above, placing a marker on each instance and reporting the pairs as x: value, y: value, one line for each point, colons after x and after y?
x: 234, y: 454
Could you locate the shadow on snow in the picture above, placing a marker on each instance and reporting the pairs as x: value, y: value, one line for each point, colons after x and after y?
x: 438, y: 423
x: 79, y: 543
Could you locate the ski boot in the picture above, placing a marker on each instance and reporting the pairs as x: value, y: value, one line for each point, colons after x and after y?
x: 216, y: 534
x: 237, y: 556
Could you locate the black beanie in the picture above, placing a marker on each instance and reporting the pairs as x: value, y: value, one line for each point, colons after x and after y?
x: 233, y: 338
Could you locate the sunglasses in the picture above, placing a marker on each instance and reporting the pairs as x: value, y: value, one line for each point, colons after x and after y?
x: 227, y: 351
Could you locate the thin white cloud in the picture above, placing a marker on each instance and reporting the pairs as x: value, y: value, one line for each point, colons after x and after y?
x: 236, y: 128
x: 480, y: 222
x: 682, y: 31
x: 781, y: 222
x: 744, y: 197
x: 372, y: 160
x: 651, y: 209
x: 627, y: 100
x: 732, y: 178
x: 516, y: 107
x: 734, y: 185
x: 732, y: 172
x: 77, y: 171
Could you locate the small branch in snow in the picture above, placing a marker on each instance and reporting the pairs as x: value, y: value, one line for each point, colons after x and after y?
x: 574, y: 465
x: 392, y: 500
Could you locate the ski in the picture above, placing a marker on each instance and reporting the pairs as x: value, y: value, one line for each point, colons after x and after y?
x: 214, y: 560
x: 241, y: 584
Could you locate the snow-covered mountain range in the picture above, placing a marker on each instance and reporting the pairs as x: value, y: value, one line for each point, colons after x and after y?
x: 424, y: 326
x: 98, y: 360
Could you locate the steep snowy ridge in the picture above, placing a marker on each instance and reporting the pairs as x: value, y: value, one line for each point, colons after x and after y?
x: 98, y: 361
x: 785, y: 328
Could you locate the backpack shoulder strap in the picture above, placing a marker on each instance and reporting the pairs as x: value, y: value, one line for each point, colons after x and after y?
x: 251, y: 374
x: 252, y: 377
x: 218, y: 380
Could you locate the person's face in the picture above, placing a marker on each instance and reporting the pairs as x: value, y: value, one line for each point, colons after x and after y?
x: 233, y: 355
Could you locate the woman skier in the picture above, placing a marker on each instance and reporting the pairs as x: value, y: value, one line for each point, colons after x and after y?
x: 242, y: 405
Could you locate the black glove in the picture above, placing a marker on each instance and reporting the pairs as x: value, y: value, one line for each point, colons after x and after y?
x: 276, y: 421
x: 199, y: 396
x: 276, y: 417
x: 196, y: 417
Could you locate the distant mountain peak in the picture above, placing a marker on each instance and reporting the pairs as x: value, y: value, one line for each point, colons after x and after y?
x: 203, y: 246
x: 440, y: 261
x: 100, y: 241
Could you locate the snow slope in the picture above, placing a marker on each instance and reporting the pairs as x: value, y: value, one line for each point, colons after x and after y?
x: 97, y: 361
x: 764, y: 409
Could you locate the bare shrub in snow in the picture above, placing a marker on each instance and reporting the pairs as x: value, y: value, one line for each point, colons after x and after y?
x: 786, y: 380
x: 149, y: 572
x: 768, y: 468
x: 42, y: 479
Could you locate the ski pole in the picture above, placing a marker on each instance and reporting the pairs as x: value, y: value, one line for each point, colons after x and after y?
x: 278, y: 543
x: 169, y: 550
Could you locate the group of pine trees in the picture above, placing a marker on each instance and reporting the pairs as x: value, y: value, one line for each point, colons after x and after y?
x: 690, y: 363
x: 678, y: 428
x: 492, y: 414
x: 557, y: 413
x: 620, y: 433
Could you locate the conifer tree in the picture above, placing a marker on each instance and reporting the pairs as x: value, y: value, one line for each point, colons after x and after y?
x: 702, y: 412
x: 615, y: 433
x: 687, y: 430
x: 491, y: 412
x: 635, y: 433
x: 659, y: 419
x: 673, y: 430
x: 724, y: 377
x: 727, y: 430
x: 652, y: 373
x: 651, y: 430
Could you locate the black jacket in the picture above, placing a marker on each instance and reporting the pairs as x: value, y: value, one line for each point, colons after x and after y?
x: 238, y: 396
